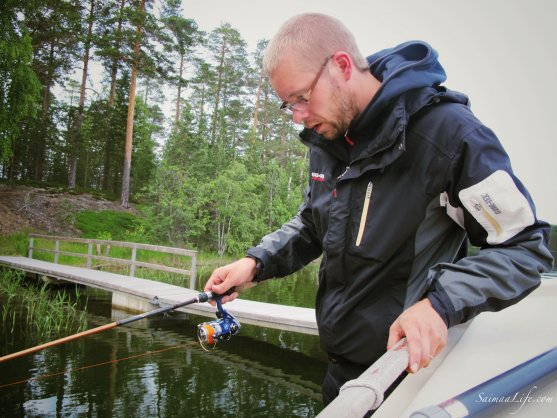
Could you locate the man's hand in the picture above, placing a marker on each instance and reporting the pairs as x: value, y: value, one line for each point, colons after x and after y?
x: 425, y: 332
x: 231, y: 275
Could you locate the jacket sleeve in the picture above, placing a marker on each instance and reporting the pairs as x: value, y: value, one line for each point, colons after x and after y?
x: 499, y: 217
x: 289, y: 248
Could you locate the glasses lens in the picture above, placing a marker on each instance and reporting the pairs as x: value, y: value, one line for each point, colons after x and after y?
x: 285, y: 107
x: 299, y: 104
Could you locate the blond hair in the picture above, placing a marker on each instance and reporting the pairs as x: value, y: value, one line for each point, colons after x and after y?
x: 313, y: 37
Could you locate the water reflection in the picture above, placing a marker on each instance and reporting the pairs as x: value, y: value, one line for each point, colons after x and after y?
x: 156, y: 368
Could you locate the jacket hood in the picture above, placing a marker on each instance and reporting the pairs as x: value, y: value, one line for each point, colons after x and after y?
x: 405, y: 67
x: 408, y: 66
x: 411, y: 66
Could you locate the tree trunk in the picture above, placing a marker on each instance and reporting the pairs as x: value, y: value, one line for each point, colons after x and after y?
x: 76, y: 146
x: 114, y: 66
x: 40, y: 149
x: 271, y: 187
x: 125, y: 196
x: 265, y: 129
x: 282, y: 157
x: 202, y: 127
x: 111, y: 99
x: 217, y: 93
x: 12, y: 163
x: 256, y: 111
x: 179, y: 95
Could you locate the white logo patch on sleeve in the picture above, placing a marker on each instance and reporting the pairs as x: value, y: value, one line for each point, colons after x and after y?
x: 498, y: 206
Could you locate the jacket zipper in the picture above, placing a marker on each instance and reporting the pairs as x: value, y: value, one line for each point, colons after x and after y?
x: 338, y: 179
x: 343, y: 173
x: 364, y: 214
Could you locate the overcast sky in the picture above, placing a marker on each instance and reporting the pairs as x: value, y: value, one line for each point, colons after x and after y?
x: 501, y: 53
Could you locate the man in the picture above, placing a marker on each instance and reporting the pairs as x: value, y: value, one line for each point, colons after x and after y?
x: 401, y: 174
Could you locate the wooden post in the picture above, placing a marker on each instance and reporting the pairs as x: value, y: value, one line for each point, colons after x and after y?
x: 56, y: 250
x: 89, y: 254
x: 132, y: 265
x: 30, y: 252
x: 193, y: 272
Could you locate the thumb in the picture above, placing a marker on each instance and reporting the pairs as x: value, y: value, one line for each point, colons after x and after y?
x: 395, y: 334
x: 221, y: 288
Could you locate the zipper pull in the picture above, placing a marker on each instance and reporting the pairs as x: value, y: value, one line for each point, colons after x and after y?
x: 343, y: 173
x: 364, y: 214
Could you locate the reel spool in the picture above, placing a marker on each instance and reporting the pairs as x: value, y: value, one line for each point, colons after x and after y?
x: 222, y: 329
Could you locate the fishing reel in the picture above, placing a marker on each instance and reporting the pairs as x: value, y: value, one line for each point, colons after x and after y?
x: 222, y: 329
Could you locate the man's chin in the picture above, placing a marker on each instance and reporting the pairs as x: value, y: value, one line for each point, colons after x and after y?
x: 326, y: 131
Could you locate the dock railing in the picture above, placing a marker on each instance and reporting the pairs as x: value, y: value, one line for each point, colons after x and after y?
x: 132, y: 262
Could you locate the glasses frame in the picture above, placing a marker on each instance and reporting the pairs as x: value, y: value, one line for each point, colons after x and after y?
x: 303, y: 99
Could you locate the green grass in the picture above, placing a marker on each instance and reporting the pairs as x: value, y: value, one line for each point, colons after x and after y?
x: 106, y: 224
x: 14, y: 244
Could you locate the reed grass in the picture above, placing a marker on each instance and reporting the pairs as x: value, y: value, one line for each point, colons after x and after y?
x: 37, y: 307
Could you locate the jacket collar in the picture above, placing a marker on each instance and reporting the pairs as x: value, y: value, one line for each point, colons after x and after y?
x: 380, y: 138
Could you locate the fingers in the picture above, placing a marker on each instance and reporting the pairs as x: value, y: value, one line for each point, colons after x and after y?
x: 218, y: 282
x: 231, y: 275
x: 422, y: 349
x: 214, y: 283
x: 418, y: 347
x: 425, y: 332
x: 229, y: 298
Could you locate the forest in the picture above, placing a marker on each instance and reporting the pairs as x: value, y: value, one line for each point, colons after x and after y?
x: 85, y: 88
x: 131, y: 101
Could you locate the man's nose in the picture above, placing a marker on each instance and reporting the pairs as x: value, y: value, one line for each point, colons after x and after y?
x: 299, y: 115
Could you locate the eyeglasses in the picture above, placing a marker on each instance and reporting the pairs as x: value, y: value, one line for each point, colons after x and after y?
x: 303, y: 100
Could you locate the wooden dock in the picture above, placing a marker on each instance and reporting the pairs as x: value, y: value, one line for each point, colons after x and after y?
x: 141, y: 295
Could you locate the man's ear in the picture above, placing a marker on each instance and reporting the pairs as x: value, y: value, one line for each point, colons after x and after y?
x: 344, y: 63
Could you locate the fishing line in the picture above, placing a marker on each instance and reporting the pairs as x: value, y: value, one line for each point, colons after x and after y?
x: 47, y: 376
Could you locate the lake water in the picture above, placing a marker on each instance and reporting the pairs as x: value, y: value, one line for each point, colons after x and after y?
x: 156, y: 367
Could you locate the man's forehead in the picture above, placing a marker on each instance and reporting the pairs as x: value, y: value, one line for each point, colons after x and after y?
x: 290, y: 79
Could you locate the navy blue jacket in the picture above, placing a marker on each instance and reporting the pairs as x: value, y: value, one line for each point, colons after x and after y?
x: 390, y: 214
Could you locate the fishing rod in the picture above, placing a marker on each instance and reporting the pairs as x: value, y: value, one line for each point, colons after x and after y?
x: 514, y: 387
x: 209, y: 333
